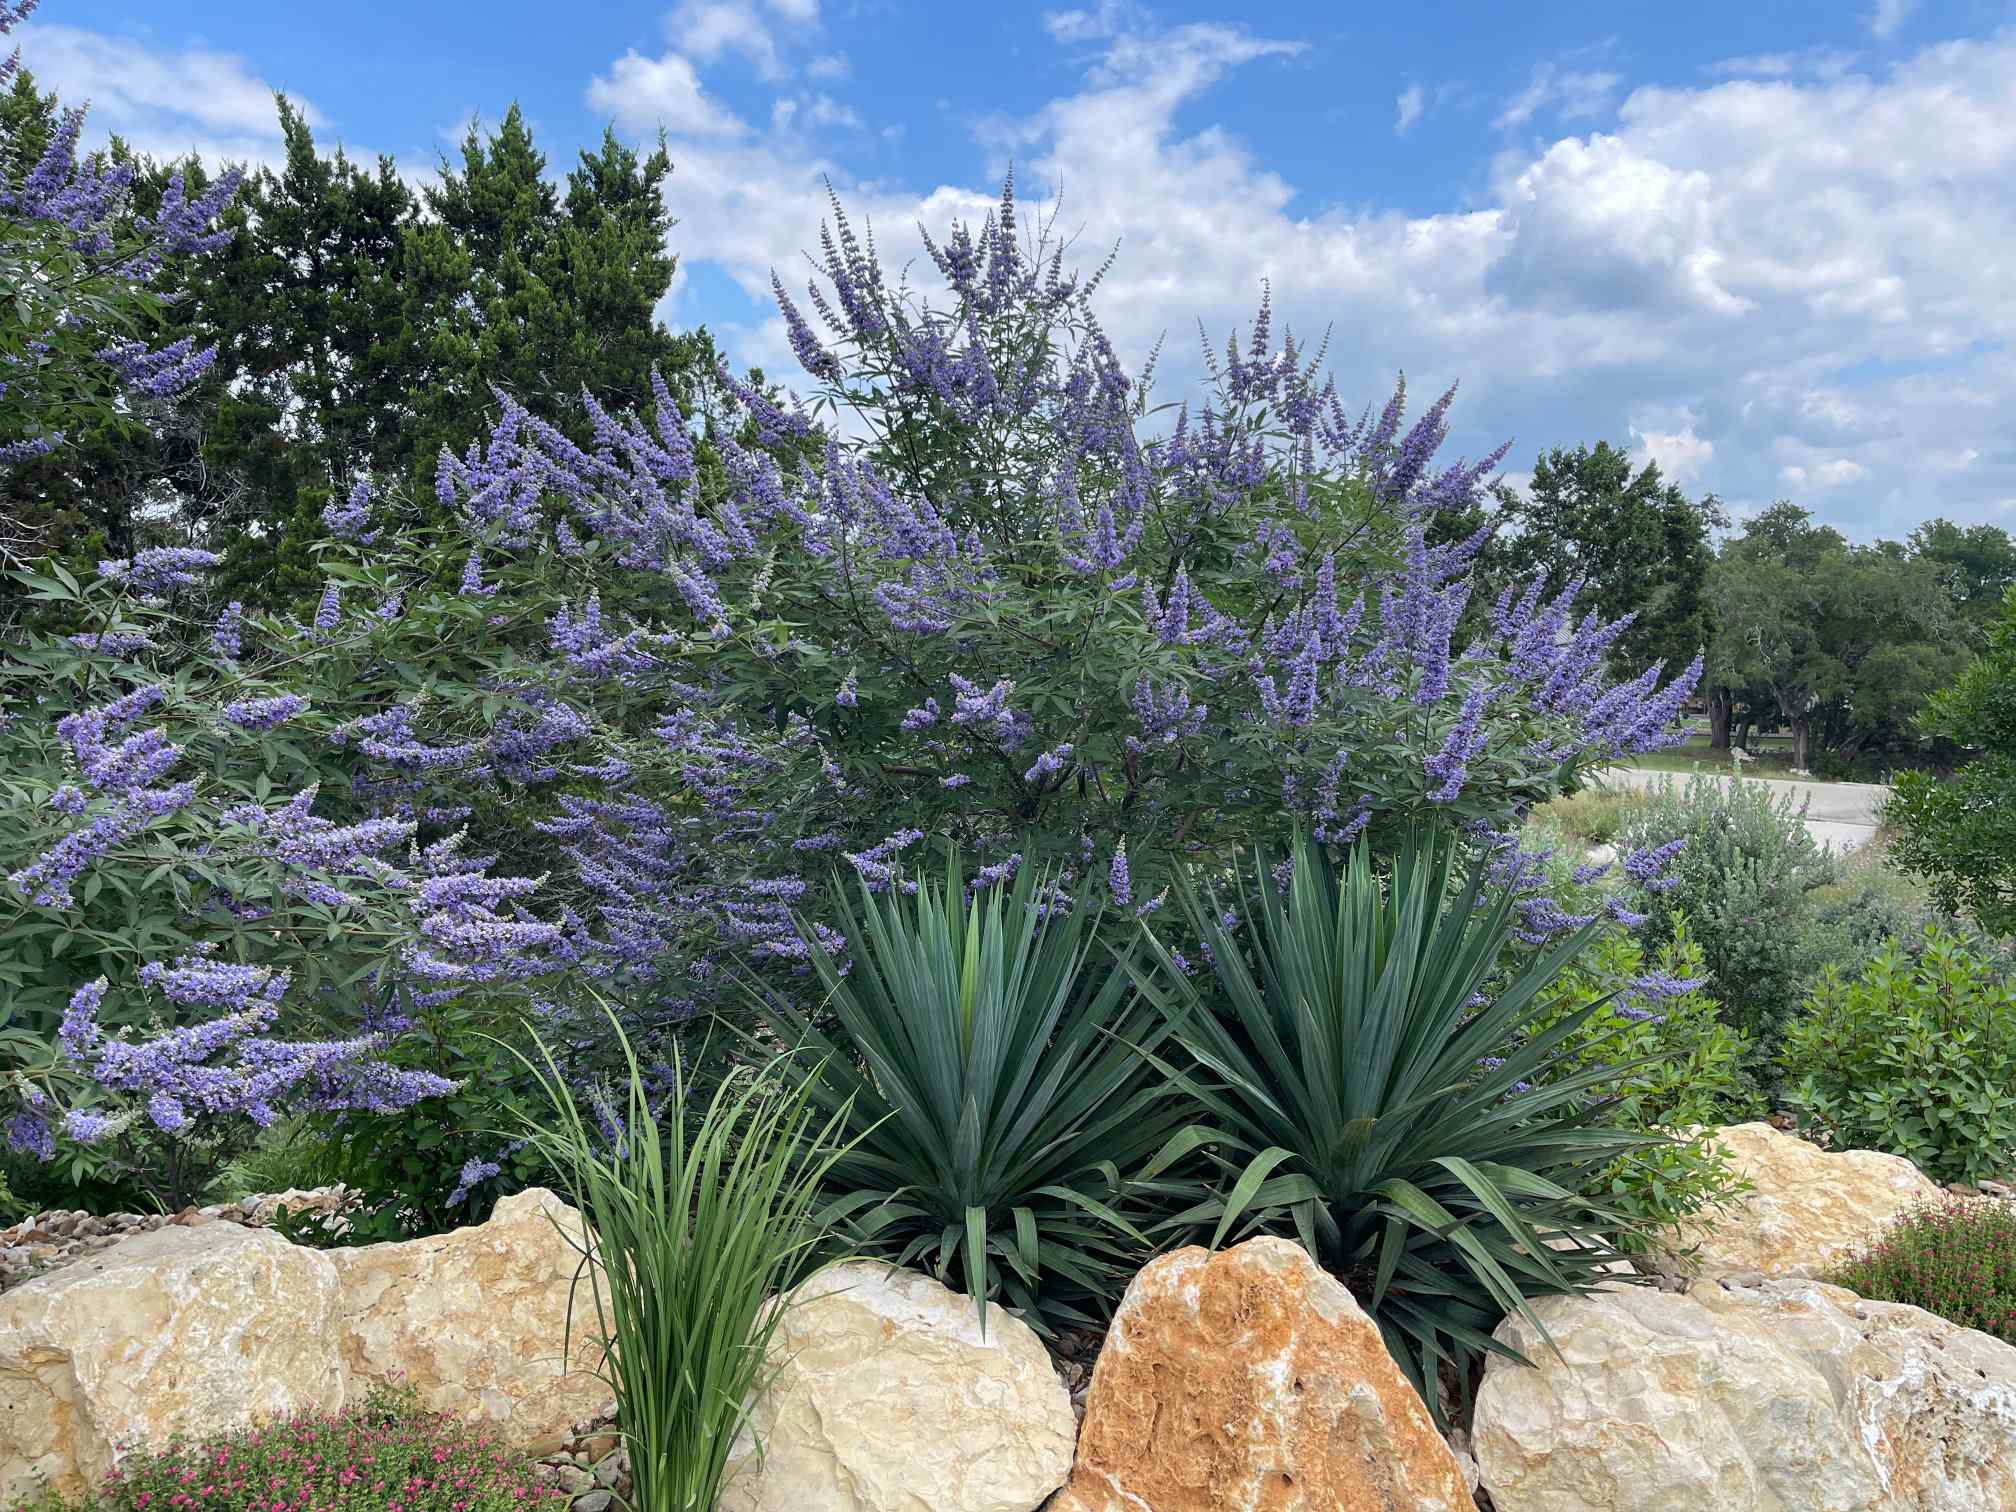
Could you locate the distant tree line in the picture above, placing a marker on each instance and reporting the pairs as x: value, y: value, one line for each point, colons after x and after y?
x: 1838, y: 645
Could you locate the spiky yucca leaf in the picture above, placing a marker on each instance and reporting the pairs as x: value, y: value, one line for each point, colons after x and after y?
x: 1369, y: 1095
x: 1007, y: 1131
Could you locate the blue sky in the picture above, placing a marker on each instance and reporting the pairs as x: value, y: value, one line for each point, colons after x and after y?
x: 1772, y: 246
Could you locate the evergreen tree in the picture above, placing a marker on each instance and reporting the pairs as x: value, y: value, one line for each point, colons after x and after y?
x: 362, y: 328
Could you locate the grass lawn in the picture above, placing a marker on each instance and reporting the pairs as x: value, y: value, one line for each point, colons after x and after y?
x: 1766, y: 762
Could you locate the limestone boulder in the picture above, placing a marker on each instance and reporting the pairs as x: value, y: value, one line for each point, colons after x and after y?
x: 1789, y: 1395
x: 183, y: 1330
x: 477, y: 1319
x: 887, y: 1396
x: 1812, y: 1208
x: 1250, y: 1379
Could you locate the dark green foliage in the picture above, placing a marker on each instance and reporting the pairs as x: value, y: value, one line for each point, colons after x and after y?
x: 362, y: 327
x: 1978, y: 561
x: 409, y: 1169
x: 1955, y: 1258
x: 990, y: 1065
x: 1418, y: 1141
x: 1960, y: 835
x: 79, y: 498
x: 1914, y: 1057
x: 1841, y: 644
x: 1677, y: 1066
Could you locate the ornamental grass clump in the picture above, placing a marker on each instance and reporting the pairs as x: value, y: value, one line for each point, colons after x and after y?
x: 1956, y: 1258
x: 386, y: 1455
x: 697, y: 1216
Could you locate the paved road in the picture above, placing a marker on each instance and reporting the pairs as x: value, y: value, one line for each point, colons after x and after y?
x: 1838, y: 814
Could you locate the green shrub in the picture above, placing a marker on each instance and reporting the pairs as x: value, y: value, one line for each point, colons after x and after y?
x: 1955, y: 1258
x: 1744, y: 885
x: 384, y: 1454
x: 696, y: 1219
x: 1959, y: 834
x: 1418, y: 1140
x: 988, y: 1064
x: 1676, y: 1066
x: 1913, y: 1056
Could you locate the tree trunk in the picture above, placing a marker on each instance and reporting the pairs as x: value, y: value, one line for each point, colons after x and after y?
x: 1743, y: 732
x: 1802, y: 740
x: 1719, y: 711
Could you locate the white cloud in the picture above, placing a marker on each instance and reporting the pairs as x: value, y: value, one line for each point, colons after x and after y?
x: 829, y: 66
x: 1818, y: 62
x: 1680, y: 454
x: 824, y: 110
x: 1737, y: 278
x: 648, y: 93
x: 1571, y: 94
x: 1108, y: 20
x: 163, y: 100
x: 1834, y: 474
x: 707, y: 29
x: 1888, y: 16
x: 1412, y: 101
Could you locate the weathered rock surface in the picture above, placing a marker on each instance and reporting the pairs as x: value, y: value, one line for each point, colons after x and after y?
x: 205, y: 1325
x: 476, y: 1319
x: 1812, y: 1208
x: 888, y: 1398
x: 48, y: 1241
x: 1249, y: 1380
x: 1786, y: 1396
x: 180, y: 1330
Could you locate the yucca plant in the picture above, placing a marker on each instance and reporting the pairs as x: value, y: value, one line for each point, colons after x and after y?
x: 987, y: 1055
x: 696, y: 1218
x: 1371, y: 1097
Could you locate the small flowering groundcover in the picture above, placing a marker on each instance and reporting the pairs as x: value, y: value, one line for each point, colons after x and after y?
x: 1955, y: 1258
x: 386, y: 1455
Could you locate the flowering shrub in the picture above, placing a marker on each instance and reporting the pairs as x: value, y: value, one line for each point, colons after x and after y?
x: 1677, y: 1063
x: 621, y: 717
x: 1744, y: 884
x: 78, y: 264
x: 385, y: 1456
x: 1956, y: 1258
x: 1666, y: 1062
x: 1914, y: 1056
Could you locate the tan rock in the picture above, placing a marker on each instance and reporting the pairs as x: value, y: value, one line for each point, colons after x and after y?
x: 477, y: 1319
x: 887, y: 1397
x: 1250, y: 1381
x: 183, y: 1330
x: 1789, y: 1396
x: 1812, y: 1209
